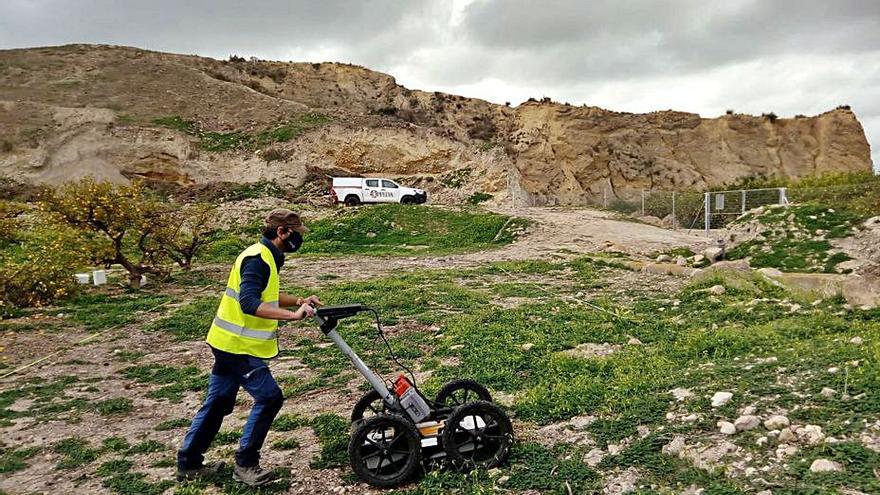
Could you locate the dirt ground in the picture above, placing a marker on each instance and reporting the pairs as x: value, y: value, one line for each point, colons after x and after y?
x: 554, y: 233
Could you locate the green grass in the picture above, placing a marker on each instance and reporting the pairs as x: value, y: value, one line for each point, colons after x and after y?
x: 286, y: 444
x: 111, y: 407
x: 239, y: 140
x: 101, y: 311
x: 406, y: 230
x: 172, y: 424
x: 12, y: 460
x: 332, y: 433
x: 796, y: 238
x: 75, y: 452
x: 174, y: 382
x: 189, y: 322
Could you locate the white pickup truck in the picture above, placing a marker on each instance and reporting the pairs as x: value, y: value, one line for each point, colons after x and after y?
x: 353, y: 191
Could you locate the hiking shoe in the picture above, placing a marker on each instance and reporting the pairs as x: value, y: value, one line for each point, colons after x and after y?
x: 203, y: 471
x: 252, y: 475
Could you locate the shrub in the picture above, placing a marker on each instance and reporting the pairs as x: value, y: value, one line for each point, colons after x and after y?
x: 40, y: 270
x: 127, y: 224
x: 187, y: 231
x: 482, y: 128
x: 770, y: 116
x: 478, y: 197
x: 10, y: 220
x: 729, y: 111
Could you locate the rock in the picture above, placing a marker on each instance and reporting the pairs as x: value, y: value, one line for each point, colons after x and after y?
x: 594, y: 457
x: 762, y: 441
x: 825, y: 466
x: 456, y: 347
x: 371, y: 234
x: 591, y: 350
x: 716, y: 290
x: 697, y: 259
x: 674, y: 447
x: 811, y: 434
x: 833, y: 369
x: 787, y: 436
x: 734, y: 265
x: 681, y: 394
x: 747, y: 422
x: 777, y: 422
x: 681, y: 261
x: 721, y: 398
x: 749, y: 410
x: 785, y: 450
x: 664, y: 258
x: 581, y: 422
x: 856, y: 341
x: 770, y: 272
x: 827, y: 392
x: 503, y: 480
x: 527, y: 346
x: 620, y: 483
x: 634, y: 341
x: 713, y: 253
x: 726, y: 427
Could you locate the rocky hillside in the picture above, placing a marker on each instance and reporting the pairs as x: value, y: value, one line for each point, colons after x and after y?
x: 121, y: 113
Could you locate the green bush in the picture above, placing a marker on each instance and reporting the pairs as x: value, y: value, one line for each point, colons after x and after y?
x: 478, y: 197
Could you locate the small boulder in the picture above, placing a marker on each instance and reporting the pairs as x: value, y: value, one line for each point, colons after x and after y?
x: 787, y: 436
x: 716, y: 290
x: 713, y: 253
x: 664, y: 258
x: 726, y: 427
x: 681, y: 394
x: 745, y: 423
x: 527, y: 346
x: 856, y: 341
x: 634, y: 341
x: 827, y: 392
x: 825, y: 466
x: 721, y: 398
x: 811, y: 434
x: 674, y: 447
x: 777, y: 422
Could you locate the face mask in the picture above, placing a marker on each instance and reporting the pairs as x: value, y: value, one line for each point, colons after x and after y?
x: 293, y: 242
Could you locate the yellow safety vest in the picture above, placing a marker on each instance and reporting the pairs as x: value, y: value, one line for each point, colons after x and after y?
x: 234, y: 331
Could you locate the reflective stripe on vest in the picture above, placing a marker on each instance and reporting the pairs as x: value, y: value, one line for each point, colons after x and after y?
x: 244, y: 332
x: 233, y: 330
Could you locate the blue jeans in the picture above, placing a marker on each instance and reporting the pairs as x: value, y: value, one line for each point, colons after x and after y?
x: 257, y: 380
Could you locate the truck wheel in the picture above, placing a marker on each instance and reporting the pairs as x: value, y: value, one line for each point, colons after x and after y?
x: 477, y: 435
x: 407, y: 200
x: 385, y: 450
x: 352, y: 200
x: 462, y: 391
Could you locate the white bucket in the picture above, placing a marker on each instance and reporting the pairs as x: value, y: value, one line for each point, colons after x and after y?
x: 100, y: 277
x: 82, y: 278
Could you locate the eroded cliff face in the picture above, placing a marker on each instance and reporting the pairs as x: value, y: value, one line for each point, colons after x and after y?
x: 77, y: 110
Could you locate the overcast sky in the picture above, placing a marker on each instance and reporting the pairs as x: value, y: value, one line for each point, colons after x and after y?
x: 705, y: 56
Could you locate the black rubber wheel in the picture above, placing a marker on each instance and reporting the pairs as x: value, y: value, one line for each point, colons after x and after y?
x: 477, y: 435
x: 458, y: 392
x: 407, y: 200
x: 385, y: 450
x: 352, y: 200
x: 370, y: 404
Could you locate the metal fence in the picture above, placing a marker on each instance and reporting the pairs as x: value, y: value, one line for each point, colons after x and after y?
x: 723, y: 207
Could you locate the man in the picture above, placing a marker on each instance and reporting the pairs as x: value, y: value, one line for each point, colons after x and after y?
x: 242, y: 337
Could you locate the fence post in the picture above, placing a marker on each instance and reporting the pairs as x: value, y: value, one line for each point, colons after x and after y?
x: 708, y: 214
x: 643, y: 202
x: 783, y: 196
x: 743, y: 201
x: 673, y: 210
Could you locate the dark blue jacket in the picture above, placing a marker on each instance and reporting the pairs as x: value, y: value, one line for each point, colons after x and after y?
x: 255, y: 276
